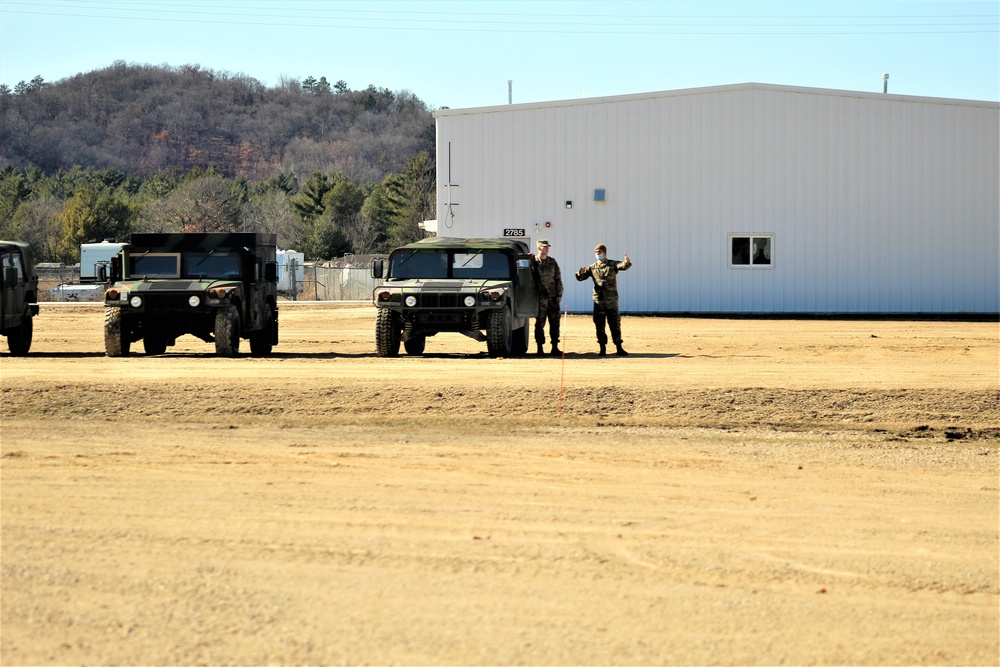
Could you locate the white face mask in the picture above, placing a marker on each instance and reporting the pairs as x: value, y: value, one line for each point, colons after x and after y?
x: 599, y: 256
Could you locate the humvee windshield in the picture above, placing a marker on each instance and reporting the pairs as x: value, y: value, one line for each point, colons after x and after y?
x: 485, y: 265
x: 155, y: 265
x: 211, y: 265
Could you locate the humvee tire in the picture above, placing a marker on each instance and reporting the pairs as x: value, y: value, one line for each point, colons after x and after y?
x: 519, y: 343
x: 415, y: 346
x: 19, y: 340
x: 154, y: 344
x: 262, y: 340
x: 386, y: 333
x: 499, y: 336
x: 116, y: 343
x: 227, y: 332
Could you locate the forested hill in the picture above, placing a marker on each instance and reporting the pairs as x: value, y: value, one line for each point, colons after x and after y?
x: 144, y: 119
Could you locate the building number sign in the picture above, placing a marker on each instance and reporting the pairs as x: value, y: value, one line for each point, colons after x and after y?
x: 513, y: 232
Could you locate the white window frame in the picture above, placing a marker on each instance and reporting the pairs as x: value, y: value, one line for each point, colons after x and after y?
x: 752, y: 240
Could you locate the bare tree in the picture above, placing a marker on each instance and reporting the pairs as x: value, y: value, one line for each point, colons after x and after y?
x: 271, y: 213
x: 205, y: 204
x: 363, y: 234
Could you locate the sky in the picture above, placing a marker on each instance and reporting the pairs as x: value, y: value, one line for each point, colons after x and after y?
x: 463, y: 53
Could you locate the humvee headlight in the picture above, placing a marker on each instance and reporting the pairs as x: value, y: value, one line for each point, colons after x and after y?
x: 470, y: 301
x: 135, y: 301
x: 194, y: 301
x: 411, y: 301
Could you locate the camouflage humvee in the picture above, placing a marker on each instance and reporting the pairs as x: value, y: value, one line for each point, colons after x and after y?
x: 217, y: 287
x: 18, y: 295
x: 469, y: 286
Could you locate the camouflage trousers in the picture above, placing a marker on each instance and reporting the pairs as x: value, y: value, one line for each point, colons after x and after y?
x: 548, y: 309
x: 608, y: 312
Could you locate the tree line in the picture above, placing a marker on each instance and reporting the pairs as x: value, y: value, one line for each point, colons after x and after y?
x: 138, y: 148
x: 325, y: 217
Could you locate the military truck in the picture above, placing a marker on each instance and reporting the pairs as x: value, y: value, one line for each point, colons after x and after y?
x: 18, y: 295
x: 217, y: 287
x: 483, y: 288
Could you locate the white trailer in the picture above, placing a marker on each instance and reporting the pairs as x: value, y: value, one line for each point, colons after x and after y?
x: 291, y: 271
x: 94, y: 257
x: 95, y: 267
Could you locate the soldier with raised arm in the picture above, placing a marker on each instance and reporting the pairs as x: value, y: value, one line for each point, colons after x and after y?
x: 604, y: 273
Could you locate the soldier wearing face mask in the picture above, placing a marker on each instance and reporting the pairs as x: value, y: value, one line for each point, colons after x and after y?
x: 604, y: 273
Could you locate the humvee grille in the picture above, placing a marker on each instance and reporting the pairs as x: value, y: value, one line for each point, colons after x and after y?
x: 440, y: 300
x: 166, y: 301
x: 442, y: 318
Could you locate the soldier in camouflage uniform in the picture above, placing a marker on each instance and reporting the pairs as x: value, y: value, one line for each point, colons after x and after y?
x: 550, y: 290
x: 604, y: 273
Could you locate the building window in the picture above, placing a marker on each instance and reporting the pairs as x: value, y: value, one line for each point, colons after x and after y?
x: 751, y: 250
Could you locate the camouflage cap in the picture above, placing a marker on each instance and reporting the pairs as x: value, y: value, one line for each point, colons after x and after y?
x: 542, y: 243
x: 601, y: 247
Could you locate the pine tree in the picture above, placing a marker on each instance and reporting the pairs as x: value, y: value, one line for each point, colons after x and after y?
x: 411, y: 196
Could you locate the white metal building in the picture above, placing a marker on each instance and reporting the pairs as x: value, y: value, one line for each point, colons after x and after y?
x: 748, y: 198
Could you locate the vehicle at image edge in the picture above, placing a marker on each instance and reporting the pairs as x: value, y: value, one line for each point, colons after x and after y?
x: 18, y: 295
x: 215, y: 286
x: 483, y: 288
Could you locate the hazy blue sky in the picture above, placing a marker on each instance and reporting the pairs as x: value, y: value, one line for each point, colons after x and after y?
x: 462, y: 53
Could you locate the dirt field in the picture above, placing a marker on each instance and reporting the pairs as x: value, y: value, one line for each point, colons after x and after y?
x: 733, y: 492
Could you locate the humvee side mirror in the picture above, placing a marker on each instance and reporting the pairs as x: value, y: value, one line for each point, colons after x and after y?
x: 10, y: 276
x: 378, y: 266
x: 116, y: 268
x: 271, y: 272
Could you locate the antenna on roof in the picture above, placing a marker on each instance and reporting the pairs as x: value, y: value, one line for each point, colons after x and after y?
x: 510, y: 91
x: 885, y: 83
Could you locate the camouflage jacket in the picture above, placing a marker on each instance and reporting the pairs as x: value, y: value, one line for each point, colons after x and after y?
x: 549, y: 278
x: 605, y: 276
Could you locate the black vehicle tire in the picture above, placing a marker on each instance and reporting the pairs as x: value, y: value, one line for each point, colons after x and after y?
x: 116, y: 340
x: 153, y: 343
x: 415, y: 346
x: 19, y: 339
x: 227, y: 332
x: 499, y: 337
x: 387, y: 329
x: 262, y: 341
x: 519, y: 344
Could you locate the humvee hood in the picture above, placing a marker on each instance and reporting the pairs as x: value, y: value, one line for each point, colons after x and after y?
x: 185, y: 285
x: 446, y: 285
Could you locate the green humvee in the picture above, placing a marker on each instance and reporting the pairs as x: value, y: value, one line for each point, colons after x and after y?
x: 468, y: 286
x: 217, y: 287
x: 18, y: 295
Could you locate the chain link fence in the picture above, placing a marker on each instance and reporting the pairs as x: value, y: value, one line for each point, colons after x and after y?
x: 335, y: 281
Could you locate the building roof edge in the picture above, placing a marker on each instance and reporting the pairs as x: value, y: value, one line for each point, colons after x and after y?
x: 709, y: 90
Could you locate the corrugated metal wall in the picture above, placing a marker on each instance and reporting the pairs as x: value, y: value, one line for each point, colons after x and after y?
x: 875, y: 203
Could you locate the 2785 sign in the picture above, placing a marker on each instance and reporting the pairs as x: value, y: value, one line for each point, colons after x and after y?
x: 513, y: 232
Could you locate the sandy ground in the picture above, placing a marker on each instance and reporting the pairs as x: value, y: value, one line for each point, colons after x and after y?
x: 733, y: 492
